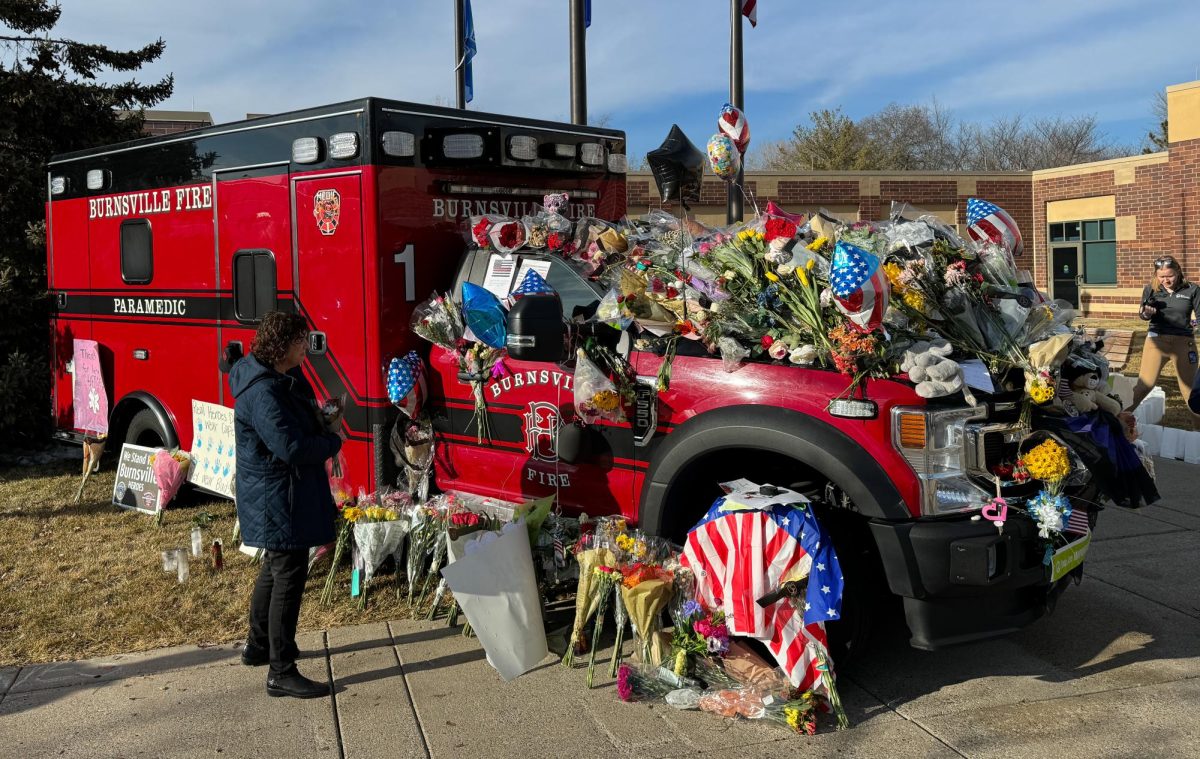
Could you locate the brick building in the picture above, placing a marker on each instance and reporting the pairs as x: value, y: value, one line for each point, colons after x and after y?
x: 170, y: 122
x: 1092, y: 231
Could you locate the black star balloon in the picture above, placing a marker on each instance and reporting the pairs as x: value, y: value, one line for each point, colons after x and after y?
x: 678, y: 167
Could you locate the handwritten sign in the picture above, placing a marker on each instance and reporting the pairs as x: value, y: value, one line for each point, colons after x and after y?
x: 213, y: 457
x: 135, y: 487
x: 90, y: 398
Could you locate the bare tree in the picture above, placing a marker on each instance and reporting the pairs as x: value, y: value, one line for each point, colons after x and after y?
x: 1158, y: 139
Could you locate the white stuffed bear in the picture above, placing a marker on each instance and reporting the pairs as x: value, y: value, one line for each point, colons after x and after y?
x: 927, y: 365
x: 1088, y: 396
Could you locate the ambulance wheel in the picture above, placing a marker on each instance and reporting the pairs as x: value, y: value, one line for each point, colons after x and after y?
x: 144, y: 429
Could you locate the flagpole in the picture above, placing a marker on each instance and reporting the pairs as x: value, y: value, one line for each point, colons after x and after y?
x: 733, y: 206
x: 460, y: 70
x: 578, y: 64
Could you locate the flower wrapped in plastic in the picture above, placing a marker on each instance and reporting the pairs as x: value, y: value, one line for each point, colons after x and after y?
x: 170, y: 472
x: 592, y: 552
x: 596, y: 396
x: 438, y: 320
x: 379, y: 532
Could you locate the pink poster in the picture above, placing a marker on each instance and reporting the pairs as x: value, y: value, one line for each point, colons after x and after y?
x: 91, y: 400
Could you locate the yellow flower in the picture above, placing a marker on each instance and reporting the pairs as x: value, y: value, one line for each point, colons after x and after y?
x: 772, y: 276
x: 352, y: 514
x: 914, y: 300
x: 793, y: 718
x: 812, y: 262
x: 816, y: 245
x: 606, y: 400
x: 1048, y: 461
x: 892, y: 270
x: 800, y: 275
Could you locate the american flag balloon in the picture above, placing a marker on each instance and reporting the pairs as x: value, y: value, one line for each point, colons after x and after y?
x: 987, y: 222
x: 860, y: 288
x: 402, y: 376
x: 532, y: 284
x: 732, y: 123
x: 739, y: 554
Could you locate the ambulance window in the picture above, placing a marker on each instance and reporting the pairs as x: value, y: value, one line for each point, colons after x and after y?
x: 137, y: 252
x: 573, y: 290
x: 254, y: 286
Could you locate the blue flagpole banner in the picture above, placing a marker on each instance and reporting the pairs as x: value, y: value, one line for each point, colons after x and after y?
x: 469, y: 46
x: 587, y: 14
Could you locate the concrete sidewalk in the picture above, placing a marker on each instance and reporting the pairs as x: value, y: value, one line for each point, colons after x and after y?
x: 1115, y: 671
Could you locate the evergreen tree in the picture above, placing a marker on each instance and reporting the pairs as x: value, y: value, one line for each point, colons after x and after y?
x: 51, y: 101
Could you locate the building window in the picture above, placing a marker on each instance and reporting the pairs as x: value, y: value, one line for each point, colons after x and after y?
x: 137, y: 252
x: 1097, y: 239
x: 254, y: 285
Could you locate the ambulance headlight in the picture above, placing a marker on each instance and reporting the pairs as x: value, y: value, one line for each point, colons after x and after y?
x: 306, y: 150
x: 399, y: 144
x: 343, y: 145
x: 617, y: 163
x: 462, y: 146
x: 522, y: 147
x: 591, y: 154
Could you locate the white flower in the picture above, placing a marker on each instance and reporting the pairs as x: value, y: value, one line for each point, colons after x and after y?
x: 826, y: 298
x: 729, y: 274
x: 785, y: 270
x: 804, y: 354
x: 715, y: 308
x: 778, y: 350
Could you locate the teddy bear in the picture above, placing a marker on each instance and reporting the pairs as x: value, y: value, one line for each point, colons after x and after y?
x: 928, y: 364
x: 1087, y: 397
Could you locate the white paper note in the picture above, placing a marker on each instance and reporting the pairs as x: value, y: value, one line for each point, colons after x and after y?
x: 499, y: 278
x: 976, y: 375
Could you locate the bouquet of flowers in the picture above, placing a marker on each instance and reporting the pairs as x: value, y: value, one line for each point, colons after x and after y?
x: 348, y: 514
x: 379, y: 532
x: 698, y: 632
x: 170, y: 472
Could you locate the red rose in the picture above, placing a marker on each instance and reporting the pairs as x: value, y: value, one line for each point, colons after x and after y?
x: 672, y: 293
x: 777, y: 227
x: 510, y: 235
x: 480, y: 233
x: 554, y: 241
x: 766, y: 341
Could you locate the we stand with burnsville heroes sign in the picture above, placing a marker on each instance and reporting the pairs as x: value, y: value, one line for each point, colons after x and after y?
x: 212, y: 468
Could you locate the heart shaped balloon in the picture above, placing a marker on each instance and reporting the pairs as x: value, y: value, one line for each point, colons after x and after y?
x: 732, y: 123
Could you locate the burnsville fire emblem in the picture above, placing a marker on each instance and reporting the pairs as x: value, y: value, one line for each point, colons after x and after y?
x: 327, y: 209
x: 541, y: 431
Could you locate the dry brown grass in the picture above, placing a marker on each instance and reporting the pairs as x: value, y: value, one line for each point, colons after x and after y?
x: 78, y: 581
x: 1177, y: 414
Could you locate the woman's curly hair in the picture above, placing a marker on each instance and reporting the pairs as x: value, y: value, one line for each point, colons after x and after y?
x: 275, y: 335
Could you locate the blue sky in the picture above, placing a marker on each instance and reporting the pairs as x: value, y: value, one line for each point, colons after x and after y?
x: 652, y: 63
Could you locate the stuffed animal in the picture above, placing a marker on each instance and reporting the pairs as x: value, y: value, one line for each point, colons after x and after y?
x: 928, y: 365
x: 1087, y: 395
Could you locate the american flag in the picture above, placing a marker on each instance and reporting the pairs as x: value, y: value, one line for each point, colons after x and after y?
x: 750, y: 11
x: 532, y: 284
x: 987, y: 222
x: 1077, y: 521
x: 859, y: 286
x: 740, y: 553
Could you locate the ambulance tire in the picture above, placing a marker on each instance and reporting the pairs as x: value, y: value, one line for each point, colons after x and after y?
x: 144, y: 429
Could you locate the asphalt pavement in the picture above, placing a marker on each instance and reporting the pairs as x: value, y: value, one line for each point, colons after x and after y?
x: 1114, y: 671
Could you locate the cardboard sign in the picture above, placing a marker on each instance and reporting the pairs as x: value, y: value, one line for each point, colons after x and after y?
x: 213, y: 458
x: 135, y: 487
x: 87, y: 388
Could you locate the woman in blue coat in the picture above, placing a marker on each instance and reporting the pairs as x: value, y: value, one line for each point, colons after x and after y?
x: 283, y: 499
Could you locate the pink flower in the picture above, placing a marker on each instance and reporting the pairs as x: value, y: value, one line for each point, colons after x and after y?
x: 778, y: 350
x: 624, y: 689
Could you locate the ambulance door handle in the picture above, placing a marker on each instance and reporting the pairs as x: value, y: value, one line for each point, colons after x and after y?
x: 317, y: 343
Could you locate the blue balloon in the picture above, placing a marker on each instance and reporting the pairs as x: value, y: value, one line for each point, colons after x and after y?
x: 485, y: 316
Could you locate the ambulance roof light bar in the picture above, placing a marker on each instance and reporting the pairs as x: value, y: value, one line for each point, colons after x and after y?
x: 617, y: 163
x: 306, y: 150
x: 58, y: 185
x: 591, y: 154
x: 97, y: 179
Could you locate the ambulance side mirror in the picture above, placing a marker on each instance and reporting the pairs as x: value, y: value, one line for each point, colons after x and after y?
x: 536, y: 331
